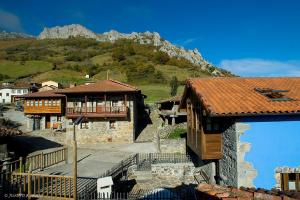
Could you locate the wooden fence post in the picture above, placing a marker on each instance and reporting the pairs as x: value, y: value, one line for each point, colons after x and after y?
x: 42, y: 161
x: 21, y: 164
x: 29, y: 183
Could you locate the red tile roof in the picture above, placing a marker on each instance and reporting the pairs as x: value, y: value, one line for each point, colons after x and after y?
x: 101, y: 86
x: 50, y: 93
x: 217, y: 192
x: 237, y: 96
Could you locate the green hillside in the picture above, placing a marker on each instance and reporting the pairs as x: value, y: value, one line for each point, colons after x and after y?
x: 68, y: 60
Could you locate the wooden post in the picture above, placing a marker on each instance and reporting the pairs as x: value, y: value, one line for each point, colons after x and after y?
x: 74, y: 165
x: 85, y: 100
x: 42, y: 161
x: 66, y: 154
x: 21, y: 163
x: 29, y: 184
x: 104, y: 102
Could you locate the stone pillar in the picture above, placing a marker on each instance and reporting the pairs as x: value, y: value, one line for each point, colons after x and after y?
x: 173, y: 121
x: 166, y: 122
x: 246, y: 171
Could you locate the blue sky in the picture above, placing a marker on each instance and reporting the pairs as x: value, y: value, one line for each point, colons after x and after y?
x: 271, y: 148
x: 250, y: 38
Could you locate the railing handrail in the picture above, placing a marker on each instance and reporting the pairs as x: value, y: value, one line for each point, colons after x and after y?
x: 41, y: 175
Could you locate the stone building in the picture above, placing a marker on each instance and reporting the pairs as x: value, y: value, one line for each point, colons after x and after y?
x: 110, y: 109
x: 221, y: 111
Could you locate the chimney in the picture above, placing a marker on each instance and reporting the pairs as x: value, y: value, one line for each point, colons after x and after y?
x: 72, y: 85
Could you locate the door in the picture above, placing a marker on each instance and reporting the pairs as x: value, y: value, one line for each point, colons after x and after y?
x: 47, y: 121
x: 36, y: 123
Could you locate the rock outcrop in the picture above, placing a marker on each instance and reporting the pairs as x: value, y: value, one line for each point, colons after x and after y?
x: 73, y: 30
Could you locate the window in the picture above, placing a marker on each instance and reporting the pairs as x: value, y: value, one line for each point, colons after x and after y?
x: 84, y: 125
x: 27, y: 103
x: 112, y: 124
x: 3, y: 100
x: 46, y: 102
x: 40, y: 103
x: 13, y: 91
x: 59, y: 118
x: 36, y: 103
x: 290, y: 181
x: 212, y: 124
x: 25, y: 91
x: 31, y: 103
x: 7, y: 94
x: 0, y: 94
x: 114, y: 103
x: 19, y: 91
x: 273, y: 95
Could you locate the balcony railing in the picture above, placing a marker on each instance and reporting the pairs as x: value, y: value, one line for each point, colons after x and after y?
x: 97, y: 111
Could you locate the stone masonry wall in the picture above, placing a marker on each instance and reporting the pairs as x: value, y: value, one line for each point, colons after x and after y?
x: 228, y: 163
x: 173, y: 146
x: 99, y: 130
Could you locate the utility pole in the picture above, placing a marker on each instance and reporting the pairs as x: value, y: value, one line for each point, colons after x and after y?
x: 74, y: 143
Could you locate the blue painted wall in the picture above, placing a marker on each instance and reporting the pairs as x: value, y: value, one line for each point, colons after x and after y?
x: 273, y: 144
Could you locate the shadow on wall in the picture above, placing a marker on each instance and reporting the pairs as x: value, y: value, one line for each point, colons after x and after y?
x: 143, y: 120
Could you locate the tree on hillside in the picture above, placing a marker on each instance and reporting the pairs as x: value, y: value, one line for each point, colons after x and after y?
x: 161, y: 57
x: 174, y: 86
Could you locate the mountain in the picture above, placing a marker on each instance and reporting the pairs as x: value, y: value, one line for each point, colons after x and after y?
x: 13, y: 35
x: 148, y: 38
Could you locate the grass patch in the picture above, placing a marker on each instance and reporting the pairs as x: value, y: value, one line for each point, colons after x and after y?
x: 178, y: 133
x: 16, y: 69
x: 157, y: 92
x: 64, y: 77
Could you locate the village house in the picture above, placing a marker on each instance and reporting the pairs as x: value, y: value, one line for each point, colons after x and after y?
x: 49, y: 85
x: 44, y: 110
x: 220, y: 110
x: 169, y: 110
x: 110, y: 110
x: 8, y: 91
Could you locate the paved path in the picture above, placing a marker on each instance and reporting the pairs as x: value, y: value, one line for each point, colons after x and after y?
x: 96, y: 159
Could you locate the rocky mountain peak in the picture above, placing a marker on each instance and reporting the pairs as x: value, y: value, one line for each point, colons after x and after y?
x: 67, y: 31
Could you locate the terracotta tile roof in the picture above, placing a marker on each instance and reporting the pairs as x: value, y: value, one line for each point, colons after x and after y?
x: 171, y: 99
x: 217, y: 192
x: 101, y: 86
x: 237, y: 96
x: 50, y: 93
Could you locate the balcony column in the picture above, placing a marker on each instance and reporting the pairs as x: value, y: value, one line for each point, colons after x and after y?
x: 104, y: 102
x: 85, y: 100
x: 125, y: 100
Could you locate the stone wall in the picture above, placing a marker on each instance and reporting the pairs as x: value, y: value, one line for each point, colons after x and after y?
x: 99, y: 131
x: 173, y: 146
x: 235, y: 171
x: 228, y: 163
x: 163, y: 175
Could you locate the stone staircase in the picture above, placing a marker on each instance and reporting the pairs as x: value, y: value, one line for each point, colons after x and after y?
x: 149, y: 132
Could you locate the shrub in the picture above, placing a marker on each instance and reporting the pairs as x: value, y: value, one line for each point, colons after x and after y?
x: 161, y: 57
x: 174, y: 83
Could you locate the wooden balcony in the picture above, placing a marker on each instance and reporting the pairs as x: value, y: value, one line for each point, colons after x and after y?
x: 42, y: 109
x: 98, y: 111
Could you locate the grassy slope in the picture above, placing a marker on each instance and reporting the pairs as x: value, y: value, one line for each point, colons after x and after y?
x: 15, y: 69
x: 42, y: 70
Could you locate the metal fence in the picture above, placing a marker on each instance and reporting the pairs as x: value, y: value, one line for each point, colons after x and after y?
x: 157, y: 194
